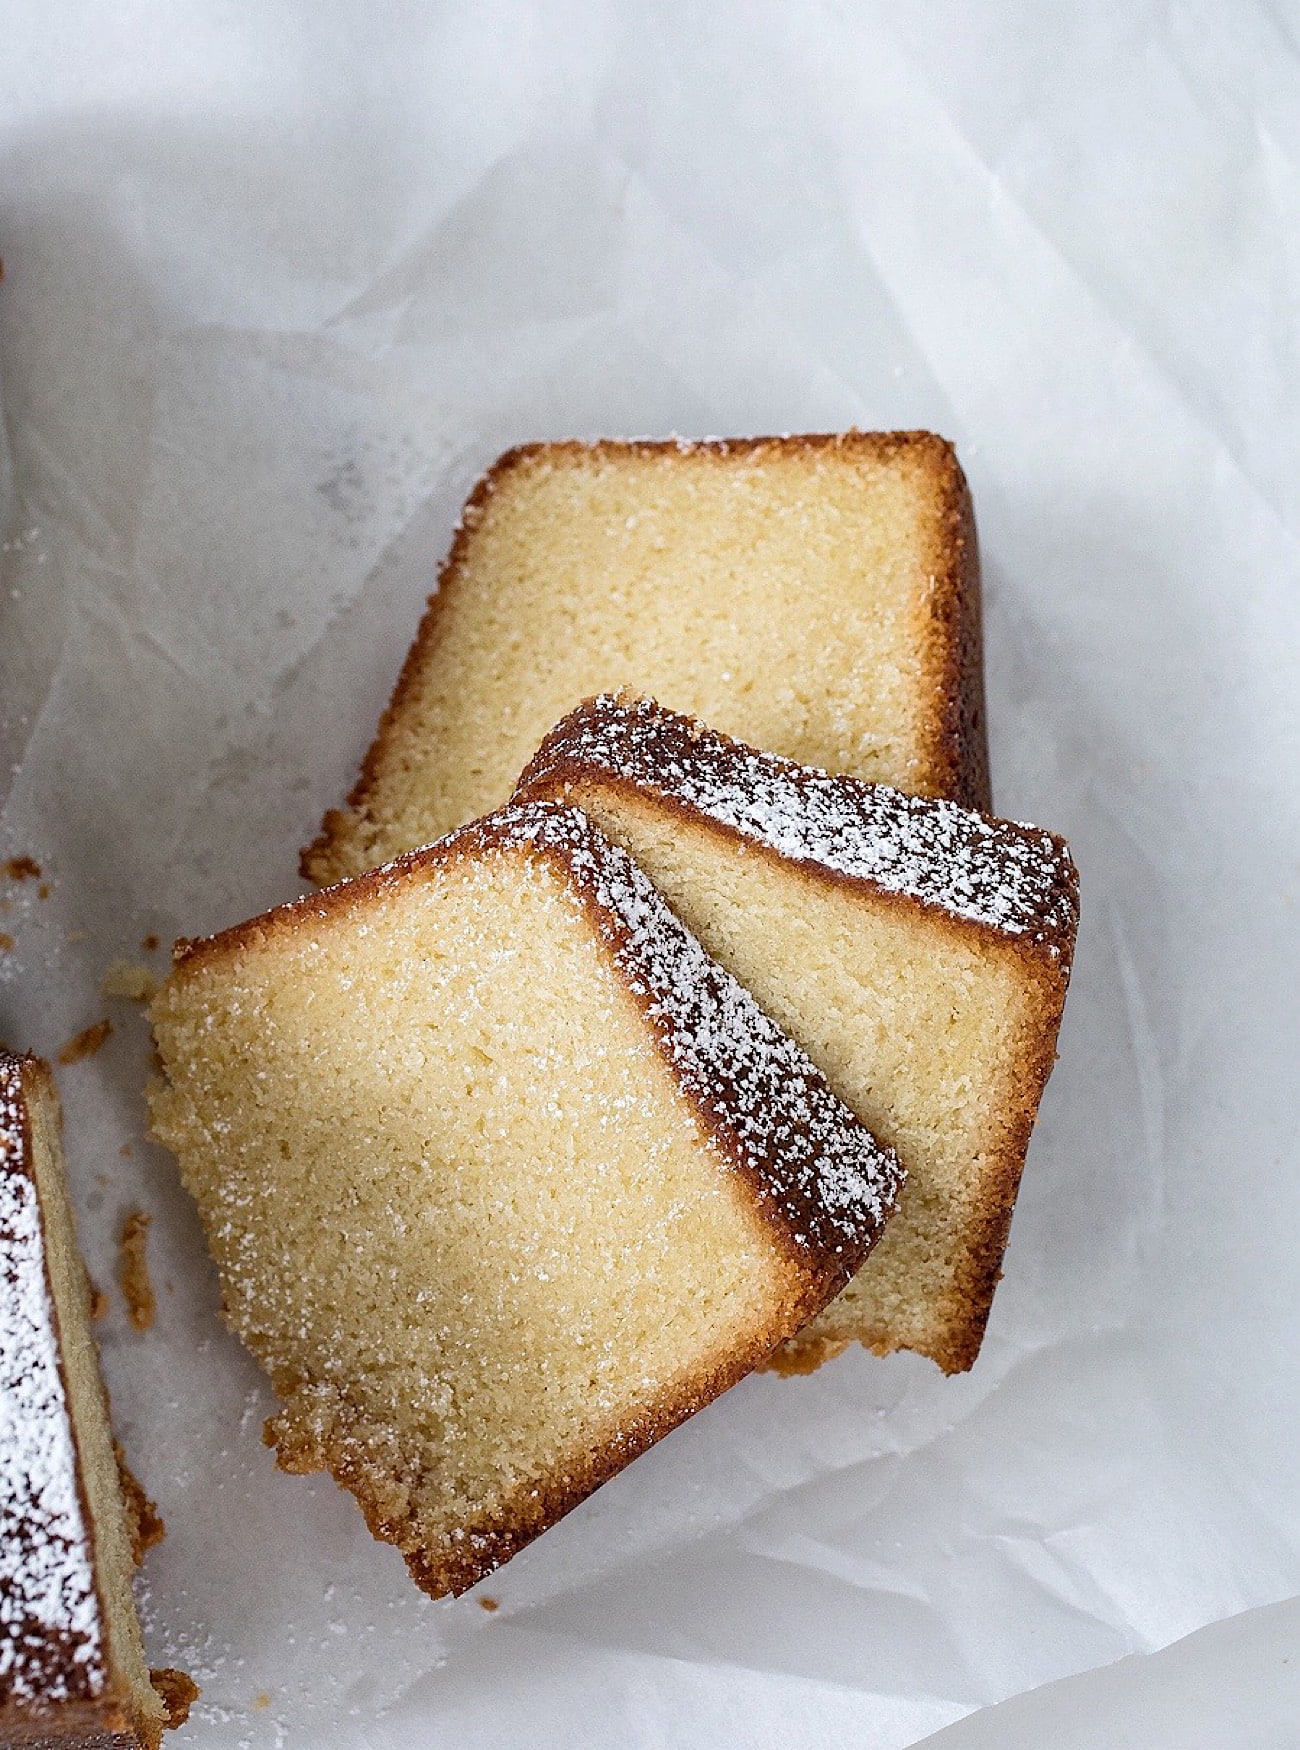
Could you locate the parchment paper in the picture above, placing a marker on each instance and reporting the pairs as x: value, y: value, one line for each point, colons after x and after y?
x: 279, y: 282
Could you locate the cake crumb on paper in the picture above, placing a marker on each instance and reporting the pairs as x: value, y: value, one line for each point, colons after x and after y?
x: 178, y: 1693
x: 98, y: 1303
x: 22, y: 869
x: 150, y: 944
x: 145, y: 1522
x: 141, y: 1304
x: 489, y: 1604
x: 126, y: 978
x: 86, y: 1043
x: 6, y: 942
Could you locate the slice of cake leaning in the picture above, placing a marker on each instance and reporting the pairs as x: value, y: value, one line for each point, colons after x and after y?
x: 818, y: 595
x: 918, y: 952
x: 72, y: 1667
x: 503, y: 1176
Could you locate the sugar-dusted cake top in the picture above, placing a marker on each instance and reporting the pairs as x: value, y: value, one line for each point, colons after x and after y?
x: 51, y: 1628
x: 816, y: 1170
x: 810, y: 1159
x: 1016, y: 879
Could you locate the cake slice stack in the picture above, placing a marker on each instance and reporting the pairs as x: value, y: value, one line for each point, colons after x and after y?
x: 72, y: 1666
x: 919, y: 953
x: 504, y: 1177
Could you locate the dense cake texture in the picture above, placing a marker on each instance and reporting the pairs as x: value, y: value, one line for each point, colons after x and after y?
x: 503, y: 1176
x: 815, y: 595
x: 919, y: 952
x: 72, y: 1669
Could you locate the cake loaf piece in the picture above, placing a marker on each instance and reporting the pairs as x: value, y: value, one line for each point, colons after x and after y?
x: 917, y: 951
x: 503, y: 1176
x: 815, y: 595
x: 72, y: 1668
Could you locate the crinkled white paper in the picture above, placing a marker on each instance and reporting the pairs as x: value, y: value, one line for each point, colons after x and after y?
x: 280, y: 280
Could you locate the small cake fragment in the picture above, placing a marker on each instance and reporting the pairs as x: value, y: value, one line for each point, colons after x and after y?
x: 72, y: 1667
x: 819, y: 595
x: 919, y: 952
x: 504, y: 1178
x: 137, y: 1285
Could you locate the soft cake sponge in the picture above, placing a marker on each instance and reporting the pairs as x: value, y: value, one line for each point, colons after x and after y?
x: 817, y: 595
x: 919, y: 952
x: 503, y: 1176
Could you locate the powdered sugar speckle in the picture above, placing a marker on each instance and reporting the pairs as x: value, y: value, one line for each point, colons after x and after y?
x: 1015, y: 879
x: 832, y: 1183
x: 51, y: 1646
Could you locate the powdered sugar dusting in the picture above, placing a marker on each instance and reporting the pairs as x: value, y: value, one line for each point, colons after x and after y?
x: 1015, y: 879
x: 51, y: 1636
x: 826, y: 1176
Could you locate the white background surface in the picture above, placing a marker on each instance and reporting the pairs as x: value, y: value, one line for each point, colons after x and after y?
x: 280, y: 281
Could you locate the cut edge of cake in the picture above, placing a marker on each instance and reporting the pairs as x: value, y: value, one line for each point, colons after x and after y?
x: 975, y: 876
x: 804, y: 1168
x: 72, y: 1662
x: 952, y: 659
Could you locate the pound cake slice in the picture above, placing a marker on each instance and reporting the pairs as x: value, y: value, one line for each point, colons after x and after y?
x: 917, y: 951
x: 72, y: 1666
x: 814, y: 595
x: 504, y: 1178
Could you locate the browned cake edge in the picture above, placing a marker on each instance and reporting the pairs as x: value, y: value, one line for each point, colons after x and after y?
x: 560, y: 771
x: 821, y: 1250
x: 953, y: 637
x: 109, y: 1720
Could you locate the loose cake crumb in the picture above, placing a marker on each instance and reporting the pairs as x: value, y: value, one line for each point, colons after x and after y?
x: 6, y: 942
x: 141, y: 1304
x: 98, y: 1303
x: 126, y: 1151
x: 44, y: 890
x: 125, y: 978
x: 144, y: 1521
x: 489, y: 1604
x: 87, y: 1042
x: 261, y: 1701
x: 23, y: 869
x: 178, y: 1693
x: 150, y: 944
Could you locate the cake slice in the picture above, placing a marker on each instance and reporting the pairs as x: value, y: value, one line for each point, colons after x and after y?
x: 504, y: 1178
x: 917, y: 951
x: 72, y: 1666
x: 815, y: 595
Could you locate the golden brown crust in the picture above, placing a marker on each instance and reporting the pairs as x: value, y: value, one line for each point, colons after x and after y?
x: 959, y: 756
x: 768, y: 1125
x: 489, y: 1543
x: 962, y: 755
x: 636, y: 751
x: 816, y: 1241
x: 79, y: 1719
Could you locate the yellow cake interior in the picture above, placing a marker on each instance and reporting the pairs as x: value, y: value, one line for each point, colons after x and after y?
x: 921, y: 1026
x: 461, y: 1209
x: 784, y: 596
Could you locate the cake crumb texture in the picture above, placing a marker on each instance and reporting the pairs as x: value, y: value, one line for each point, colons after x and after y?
x: 503, y: 1177
x: 814, y: 595
x: 918, y: 951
